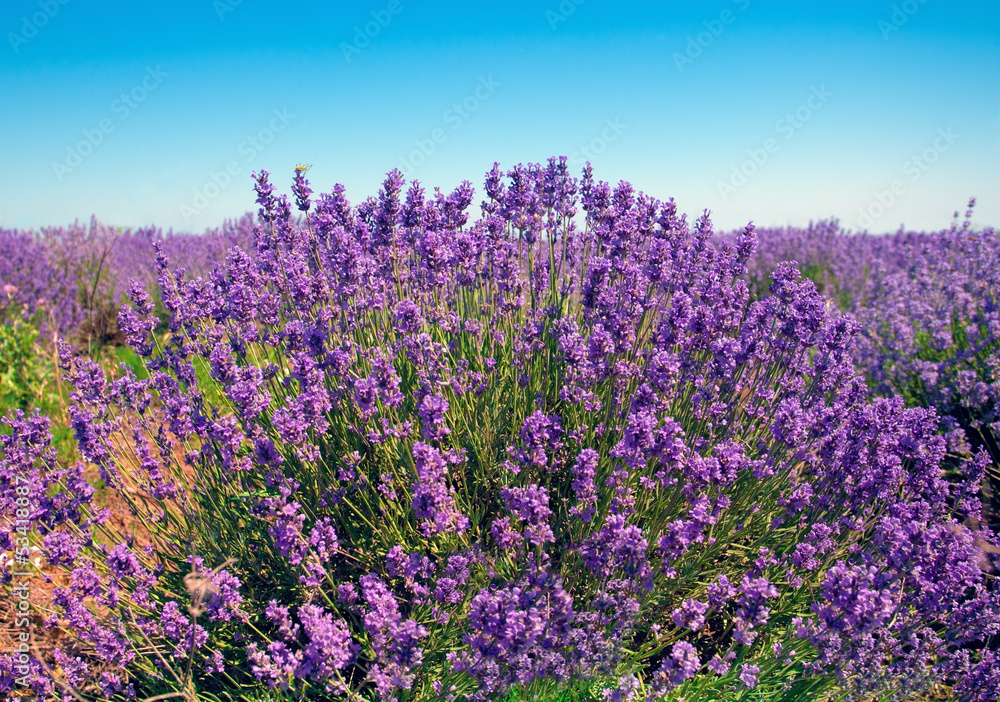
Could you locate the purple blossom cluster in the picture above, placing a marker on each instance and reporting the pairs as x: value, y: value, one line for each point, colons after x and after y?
x: 398, y: 452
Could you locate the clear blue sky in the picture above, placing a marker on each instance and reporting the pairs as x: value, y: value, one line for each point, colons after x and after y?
x: 128, y: 110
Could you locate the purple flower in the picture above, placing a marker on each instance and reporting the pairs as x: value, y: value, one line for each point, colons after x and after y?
x: 530, y: 505
x: 748, y: 675
x: 323, y: 539
x: 584, y: 471
x: 433, y: 499
x: 690, y: 615
x: 301, y: 189
x: 329, y: 646
x: 432, y: 412
x: 681, y: 665
x: 123, y: 563
x: 540, y: 434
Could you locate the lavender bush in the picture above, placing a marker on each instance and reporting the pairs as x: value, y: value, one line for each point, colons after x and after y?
x: 394, y: 453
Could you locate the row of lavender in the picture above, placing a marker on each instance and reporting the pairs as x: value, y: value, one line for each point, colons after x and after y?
x: 72, y: 280
x: 392, y: 452
x: 927, y: 305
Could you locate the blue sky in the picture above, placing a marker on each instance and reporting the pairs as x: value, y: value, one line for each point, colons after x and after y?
x: 879, y: 113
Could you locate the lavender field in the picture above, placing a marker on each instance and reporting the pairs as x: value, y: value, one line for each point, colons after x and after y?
x: 543, y: 437
x: 535, y: 351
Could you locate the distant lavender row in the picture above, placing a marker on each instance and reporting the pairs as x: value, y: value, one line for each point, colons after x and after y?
x: 927, y: 304
x: 30, y: 283
x: 67, y: 275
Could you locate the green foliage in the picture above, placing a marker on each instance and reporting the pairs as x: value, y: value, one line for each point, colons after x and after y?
x: 29, y: 376
x: 577, y: 693
x: 820, y: 276
x: 125, y: 355
x: 19, y: 379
